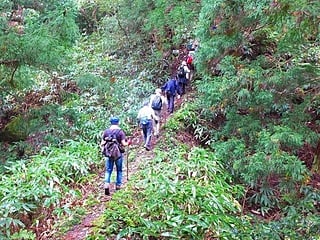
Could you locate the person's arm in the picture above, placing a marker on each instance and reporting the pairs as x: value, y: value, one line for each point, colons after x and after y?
x: 186, y: 69
x: 151, y: 99
x: 153, y: 115
x: 139, y: 115
x: 124, y: 140
x: 176, y: 87
x: 164, y: 87
x: 164, y: 100
x: 103, y: 142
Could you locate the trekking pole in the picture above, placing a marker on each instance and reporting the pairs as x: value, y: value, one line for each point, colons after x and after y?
x: 127, y: 163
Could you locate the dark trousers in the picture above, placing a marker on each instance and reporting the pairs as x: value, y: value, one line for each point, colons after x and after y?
x: 170, y: 99
x: 147, y: 133
x: 182, y: 82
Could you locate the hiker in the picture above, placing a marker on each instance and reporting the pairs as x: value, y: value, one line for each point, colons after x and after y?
x: 190, y: 65
x: 183, y: 75
x: 193, y: 45
x: 145, y: 118
x: 114, y: 130
x: 156, y: 103
x: 171, y: 89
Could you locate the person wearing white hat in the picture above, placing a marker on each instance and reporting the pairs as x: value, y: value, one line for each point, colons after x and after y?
x: 157, y: 101
x: 145, y: 118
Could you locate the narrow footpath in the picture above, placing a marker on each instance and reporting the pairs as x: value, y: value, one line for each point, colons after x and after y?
x: 82, y: 230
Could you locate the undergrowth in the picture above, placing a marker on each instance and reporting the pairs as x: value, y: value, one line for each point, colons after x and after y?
x: 182, y: 193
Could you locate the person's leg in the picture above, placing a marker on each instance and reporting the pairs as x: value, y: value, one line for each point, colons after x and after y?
x: 142, y: 134
x: 119, y: 172
x: 109, y: 168
x: 149, y: 134
x: 144, y: 131
x: 180, y: 85
x: 190, y: 76
x: 156, y: 124
x: 183, y: 86
x: 171, y: 104
x: 157, y: 128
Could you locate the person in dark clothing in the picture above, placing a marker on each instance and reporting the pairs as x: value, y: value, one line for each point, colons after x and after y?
x: 171, y: 89
x: 121, y: 138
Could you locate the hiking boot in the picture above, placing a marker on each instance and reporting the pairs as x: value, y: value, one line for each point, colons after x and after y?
x: 107, y: 191
x: 147, y: 148
x: 118, y: 188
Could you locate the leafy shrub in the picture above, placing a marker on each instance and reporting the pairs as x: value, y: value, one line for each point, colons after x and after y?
x: 42, y: 182
x: 185, y: 195
x: 295, y: 224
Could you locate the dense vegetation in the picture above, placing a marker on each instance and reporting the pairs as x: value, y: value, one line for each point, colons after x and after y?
x: 67, y: 66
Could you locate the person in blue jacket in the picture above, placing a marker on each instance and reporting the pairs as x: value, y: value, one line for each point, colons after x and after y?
x: 171, y: 89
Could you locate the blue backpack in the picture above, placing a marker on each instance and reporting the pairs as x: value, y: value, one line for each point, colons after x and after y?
x: 156, y: 103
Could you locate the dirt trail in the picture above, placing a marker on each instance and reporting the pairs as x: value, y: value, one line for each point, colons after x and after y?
x: 82, y: 230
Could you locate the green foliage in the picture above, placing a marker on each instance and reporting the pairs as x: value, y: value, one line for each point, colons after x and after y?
x: 40, y: 40
x: 291, y: 226
x: 188, y: 119
x: 229, y: 152
x: 186, y: 195
x: 42, y: 182
x: 266, y: 169
x: 178, y: 17
x: 259, y: 69
x: 262, y: 173
x: 258, y: 65
x: 24, y: 234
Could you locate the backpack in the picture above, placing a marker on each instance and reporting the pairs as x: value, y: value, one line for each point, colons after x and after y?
x: 170, y: 88
x: 181, y: 72
x: 144, y: 121
x: 156, y: 103
x: 112, y: 148
x: 189, y: 60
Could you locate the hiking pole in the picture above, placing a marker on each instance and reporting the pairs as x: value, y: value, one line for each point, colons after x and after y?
x: 127, y: 163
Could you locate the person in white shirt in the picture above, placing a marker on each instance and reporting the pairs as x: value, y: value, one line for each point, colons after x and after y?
x: 156, y: 103
x: 145, y: 117
x: 183, y: 77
